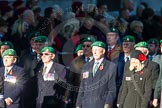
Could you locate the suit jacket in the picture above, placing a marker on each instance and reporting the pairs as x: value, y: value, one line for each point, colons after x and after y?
x: 47, y: 89
x: 14, y: 90
x: 99, y: 90
x: 115, y: 52
x: 120, y: 62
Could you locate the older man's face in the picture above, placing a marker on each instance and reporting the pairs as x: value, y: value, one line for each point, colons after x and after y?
x: 9, y: 60
x: 47, y: 57
x: 112, y: 38
x: 3, y: 48
x: 98, y: 52
x: 87, y: 49
x: 128, y: 47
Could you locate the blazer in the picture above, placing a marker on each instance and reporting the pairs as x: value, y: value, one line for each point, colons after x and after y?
x: 14, y: 90
x: 95, y: 92
x: 47, y: 89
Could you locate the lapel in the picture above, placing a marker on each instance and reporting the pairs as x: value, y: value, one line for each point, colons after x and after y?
x: 13, y: 71
x: 44, y: 84
x: 2, y: 71
x: 91, y: 69
x: 54, y: 71
x: 100, y: 70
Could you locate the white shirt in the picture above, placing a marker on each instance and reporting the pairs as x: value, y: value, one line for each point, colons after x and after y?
x: 49, y: 65
x: 90, y: 59
x: 110, y: 47
x: 7, y: 70
x: 100, y: 61
x: 125, y: 58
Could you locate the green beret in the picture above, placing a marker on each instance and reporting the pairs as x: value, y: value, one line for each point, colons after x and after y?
x: 33, y: 34
x: 128, y: 38
x: 160, y: 41
x: 79, y: 47
x: 141, y: 44
x: 9, y: 52
x: 153, y: 41
x: 41, y: 39
x: 48, y: 49
x: 99, y: 44
x: 7, y: 43
x: 89, y: 39
x: 114, y: 30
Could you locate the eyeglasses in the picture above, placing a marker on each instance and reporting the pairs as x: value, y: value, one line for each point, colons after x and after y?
x: 46, y: 54
x: 86, y: 46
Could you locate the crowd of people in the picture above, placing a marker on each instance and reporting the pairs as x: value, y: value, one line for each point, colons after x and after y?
x: 80, y: 58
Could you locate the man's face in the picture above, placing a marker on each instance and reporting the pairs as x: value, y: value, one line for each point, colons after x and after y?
x: 87, y: 49
x: 9, y: 60
x: 32, y: 43
x: 98, y: 52
x: 112, y: 38
x: 139, y: 29
x: 128, y: 47
x: 3, y: 48
x: 3, y: 29
x: 47, y: 57
x: 80, y: 52
x: 39, y: 46
x: 31, y: 18
x: 88, y: 24
x: 152, y: 48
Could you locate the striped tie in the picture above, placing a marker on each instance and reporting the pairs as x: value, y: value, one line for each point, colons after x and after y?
x: 95, y: 68
x: 44, y: 70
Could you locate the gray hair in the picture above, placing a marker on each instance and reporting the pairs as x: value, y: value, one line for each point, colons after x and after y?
x: 135, y: 24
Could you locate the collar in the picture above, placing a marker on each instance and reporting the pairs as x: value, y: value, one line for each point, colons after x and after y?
x: 111, y: 46
x: 49, y: 65
x: 126, y: 58
x: 100, y: 61
x: 90, y: 58
x: 7, y: 69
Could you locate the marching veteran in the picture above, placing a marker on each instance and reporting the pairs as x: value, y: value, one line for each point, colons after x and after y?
x: 137, y: 83
x: 49, y: 76
x: 98, y: 86
x: 14, y: 79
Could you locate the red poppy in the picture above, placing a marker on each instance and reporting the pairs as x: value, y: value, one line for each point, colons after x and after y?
x: 142, y: 57
x: 141, y: 72
x: 11, y: 72
x: 101, y: 67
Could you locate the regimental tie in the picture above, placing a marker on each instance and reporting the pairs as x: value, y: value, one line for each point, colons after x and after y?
x: 6, y: 72
x: 44, y: 70
x: 95, y: 68
x: 127, y: 59
x: 88, y: 59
